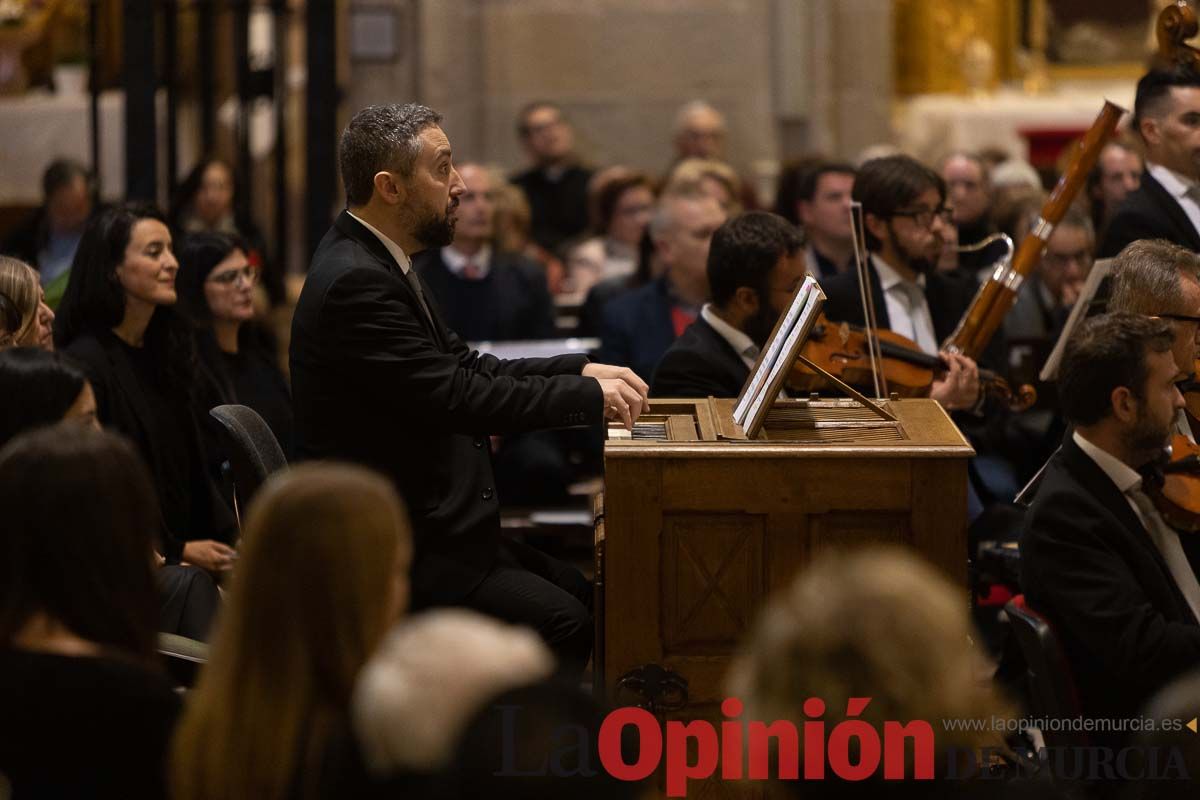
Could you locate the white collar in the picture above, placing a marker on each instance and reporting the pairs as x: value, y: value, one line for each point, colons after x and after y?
x: 889, y: 277
x: 1176, y: 185
x: 1124, y: 476
x: 456, y: 260
x: 401, y: 258
x: 738, y: 340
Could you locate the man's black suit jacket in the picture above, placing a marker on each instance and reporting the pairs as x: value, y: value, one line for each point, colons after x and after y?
x: 375, y: 381
x: 948, y: 295
x: 1089, y: 566
x: 1150, y: 212
x: 700, y: 363
x: 510, y: 302
x: 637, y: 328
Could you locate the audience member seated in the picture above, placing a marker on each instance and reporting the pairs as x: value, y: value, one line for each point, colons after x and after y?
x: 1097, y: 559
x: 875, y: 623
x: 514, y: 235
x: 26, y: 320
x: 969, y: 195
x: 502, y: 755
x: 49, y: 238
x: 484, y: 294
x: 118, y: 323
x: 1118, y: 172
x: 428, y: 679
x: 755, y: 263
x: 555, y: 184
x: 1163, y: 205
x: 1045, y: 300
x: 823, y: 208
x: 323, y: 575
x: 209, y: 201
x: 1160, y: 279
x: 87, y: 710
x: 700, y: 133
x: 215, y: 284
x: 621, y: 203
x: 641, y: 324
x: 716, y: 178
x: 40, y: 388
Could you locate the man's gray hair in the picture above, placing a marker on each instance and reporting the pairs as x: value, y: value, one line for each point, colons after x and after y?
x: 663, y: 219
x: 1147, y: 275
x: 381, y: 138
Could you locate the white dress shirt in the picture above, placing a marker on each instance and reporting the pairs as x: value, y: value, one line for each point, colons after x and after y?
x: 456, y: 261
x: 907, y: 308
x: 402, y: 260
x: 1165, y: 538
x: 1185, y: 191
x: 742, y: 344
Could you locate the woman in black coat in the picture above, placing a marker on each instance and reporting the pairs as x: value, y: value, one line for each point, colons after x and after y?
x: 118, y: 323
x: 216, y: 292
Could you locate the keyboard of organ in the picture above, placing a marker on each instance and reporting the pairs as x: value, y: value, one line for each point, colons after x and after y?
x: 698, y: 524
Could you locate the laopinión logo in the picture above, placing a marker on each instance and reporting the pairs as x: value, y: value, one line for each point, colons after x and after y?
x: 850, y: 750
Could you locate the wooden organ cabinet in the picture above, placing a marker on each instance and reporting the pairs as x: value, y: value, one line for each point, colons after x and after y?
x: 698, y: 525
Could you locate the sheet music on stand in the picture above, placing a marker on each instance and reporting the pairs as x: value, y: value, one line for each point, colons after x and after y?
x: 776, y: 359
x: 1100, y: 271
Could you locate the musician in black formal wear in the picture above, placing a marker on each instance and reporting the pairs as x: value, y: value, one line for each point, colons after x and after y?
x: 1166, y: 114
x: 378, y: 378
x: 1097, y: 559
x: 755, y: 262
x: 907, y: 221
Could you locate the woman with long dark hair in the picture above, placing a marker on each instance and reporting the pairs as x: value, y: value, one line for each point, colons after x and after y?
x: 215, y: 284
x: 118, y: 323
x: 87, y: 712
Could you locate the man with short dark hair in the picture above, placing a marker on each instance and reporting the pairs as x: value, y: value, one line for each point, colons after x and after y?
x: 823, y: 208
x: 755, y: 263
x: 1097, y: 559
x: 555, y: 184
x: 379, y: 379
x: 1167, y: 203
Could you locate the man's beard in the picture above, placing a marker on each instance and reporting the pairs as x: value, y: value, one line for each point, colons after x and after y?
x: 759, y: 325
x: 435, y: 230
x: 917, y: 262
x: 1147, y: 438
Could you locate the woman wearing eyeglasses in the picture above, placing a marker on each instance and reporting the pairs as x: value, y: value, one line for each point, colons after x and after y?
x: 118, y: 323
x: 216, y: 291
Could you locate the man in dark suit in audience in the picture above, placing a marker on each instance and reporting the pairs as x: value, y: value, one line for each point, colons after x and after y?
x: 379, y: 379
x: 641, y: 324
x: 1097, y: 559
x: 556, y: 185
x: 755, y: 263
x: 485, y: 295
x: 1167, y: 203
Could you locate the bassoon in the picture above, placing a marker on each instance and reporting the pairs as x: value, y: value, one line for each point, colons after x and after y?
x: 998, y: 293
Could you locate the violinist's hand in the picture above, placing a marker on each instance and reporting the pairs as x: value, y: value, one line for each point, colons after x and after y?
x: 958, y: 388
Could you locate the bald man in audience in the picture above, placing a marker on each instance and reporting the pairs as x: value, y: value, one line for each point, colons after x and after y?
x: 1118, y: 172
x: 700, y: 132
x: 556, y: 183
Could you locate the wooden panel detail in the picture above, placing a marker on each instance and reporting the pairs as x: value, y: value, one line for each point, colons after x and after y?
x: 712, y: 580
x: 855, y: 528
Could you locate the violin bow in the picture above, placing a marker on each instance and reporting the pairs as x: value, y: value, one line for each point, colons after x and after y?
x: 874, y: 349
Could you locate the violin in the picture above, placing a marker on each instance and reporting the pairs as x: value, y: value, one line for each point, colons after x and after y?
x: 1174, y: 486
x: 843, y: 350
